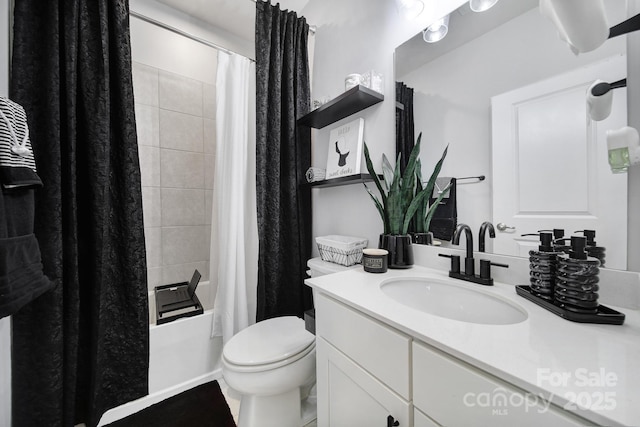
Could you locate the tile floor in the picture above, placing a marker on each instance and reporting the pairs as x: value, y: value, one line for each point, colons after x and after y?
x: 233, y: 400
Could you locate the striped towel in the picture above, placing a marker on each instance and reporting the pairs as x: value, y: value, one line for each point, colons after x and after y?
x: 315, y: 174
x: 17, y: 164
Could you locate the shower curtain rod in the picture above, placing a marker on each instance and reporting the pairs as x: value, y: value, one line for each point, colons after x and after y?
x: 185, y: 34
x: 312, y: 28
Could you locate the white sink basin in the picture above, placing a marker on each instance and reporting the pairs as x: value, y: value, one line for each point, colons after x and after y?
x: 446, y: 298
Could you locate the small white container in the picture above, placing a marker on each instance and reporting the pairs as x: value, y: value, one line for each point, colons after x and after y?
x: 352, y: 81
x: 373, y: 80
x: 343, y: 250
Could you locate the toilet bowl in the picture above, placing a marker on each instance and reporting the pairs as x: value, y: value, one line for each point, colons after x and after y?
x: 272, y: 364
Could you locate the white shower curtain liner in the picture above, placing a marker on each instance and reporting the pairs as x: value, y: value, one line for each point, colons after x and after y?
x: 234, y: 224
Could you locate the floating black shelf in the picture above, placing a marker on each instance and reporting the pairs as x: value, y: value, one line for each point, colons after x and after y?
x: 354, y: 100
x: 345, y: 180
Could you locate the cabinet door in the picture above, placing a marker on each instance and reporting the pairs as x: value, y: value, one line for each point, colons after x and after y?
x: 348, y: 396
x: 380, y: 350
x: 455, y: 393
x: 421, y: 420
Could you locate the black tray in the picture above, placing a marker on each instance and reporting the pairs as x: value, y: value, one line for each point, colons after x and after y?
x: 604, y: 315
x: 165, y: 316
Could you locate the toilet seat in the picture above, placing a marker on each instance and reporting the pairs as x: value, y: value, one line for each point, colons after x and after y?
x: 269, y: 344
x: 269, y: 366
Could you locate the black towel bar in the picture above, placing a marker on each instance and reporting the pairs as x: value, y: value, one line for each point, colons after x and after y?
x: 479, y: 178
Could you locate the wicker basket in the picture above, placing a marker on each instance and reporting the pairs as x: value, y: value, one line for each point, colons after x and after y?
x: 343, y: 250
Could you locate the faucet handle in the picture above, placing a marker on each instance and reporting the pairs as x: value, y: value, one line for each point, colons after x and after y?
x: 455, y: 262
x: 485, y: 268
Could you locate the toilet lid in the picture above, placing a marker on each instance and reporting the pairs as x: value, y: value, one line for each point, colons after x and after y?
x: 268, y: 341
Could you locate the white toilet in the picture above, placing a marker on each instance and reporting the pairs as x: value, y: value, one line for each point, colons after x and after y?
x: 272, y: 364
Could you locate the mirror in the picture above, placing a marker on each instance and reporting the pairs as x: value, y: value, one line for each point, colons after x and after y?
x: 460, y: 84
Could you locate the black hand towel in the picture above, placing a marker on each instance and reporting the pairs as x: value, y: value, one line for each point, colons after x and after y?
x: 445, y: 218
x: 21, y: 276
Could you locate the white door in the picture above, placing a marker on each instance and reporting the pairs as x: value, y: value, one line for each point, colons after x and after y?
x: 550, y: 167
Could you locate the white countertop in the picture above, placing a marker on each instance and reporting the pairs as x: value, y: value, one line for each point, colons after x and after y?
x: 577, y: 365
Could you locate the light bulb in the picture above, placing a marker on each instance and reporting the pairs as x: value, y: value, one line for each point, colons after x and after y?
x: 481, y: 5
x: 436, y: 31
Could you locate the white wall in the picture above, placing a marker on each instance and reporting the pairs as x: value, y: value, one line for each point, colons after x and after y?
x: 352, y: 37
x: 165, y: 50
x: 5, y: 324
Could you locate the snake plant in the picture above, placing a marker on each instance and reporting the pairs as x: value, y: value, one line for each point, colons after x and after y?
x: 399, y: 199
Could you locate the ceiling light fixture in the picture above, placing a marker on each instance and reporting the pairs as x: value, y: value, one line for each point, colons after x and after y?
x: 481, y: 5
x: 436, y: 31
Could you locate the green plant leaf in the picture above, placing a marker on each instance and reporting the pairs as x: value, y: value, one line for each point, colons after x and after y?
x: 397, y: 201
x: 419, y: 174
x: 421, y: 211
x: 397, y: 177
x: 408, y: 180
x: 387, y: 172
x: 374, y: 175
x: 436, y: 171
x: 434, y: 206
x: 412, y: 209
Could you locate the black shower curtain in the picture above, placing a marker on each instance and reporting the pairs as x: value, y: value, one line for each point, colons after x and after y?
x: 81, y: 348
x: 283, y: 154
x: 405, y: 133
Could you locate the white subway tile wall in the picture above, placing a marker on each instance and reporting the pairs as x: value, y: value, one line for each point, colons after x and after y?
x: 175, y: 117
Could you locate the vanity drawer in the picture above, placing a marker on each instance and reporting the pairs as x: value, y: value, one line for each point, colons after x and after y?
x: 452, y: 392
x: 378, y: 349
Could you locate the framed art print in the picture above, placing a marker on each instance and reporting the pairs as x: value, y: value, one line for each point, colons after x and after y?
x: 345, y: 149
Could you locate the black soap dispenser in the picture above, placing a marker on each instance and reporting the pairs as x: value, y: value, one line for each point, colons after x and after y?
x: 576, y: 287
x: 558, y: 239
x: 592, y: 248
x: 542, y: 267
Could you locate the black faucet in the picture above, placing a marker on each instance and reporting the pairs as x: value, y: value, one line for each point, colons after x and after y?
x: 481, y: 237
x: 469, y: 265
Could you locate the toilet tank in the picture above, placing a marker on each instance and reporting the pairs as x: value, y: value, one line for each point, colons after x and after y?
x: 318, y: 267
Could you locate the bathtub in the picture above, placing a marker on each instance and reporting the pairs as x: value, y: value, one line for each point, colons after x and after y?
x: 182, y: 355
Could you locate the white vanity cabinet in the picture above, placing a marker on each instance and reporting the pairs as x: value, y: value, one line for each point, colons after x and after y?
x: 368, y: 371
x: 363, y: 372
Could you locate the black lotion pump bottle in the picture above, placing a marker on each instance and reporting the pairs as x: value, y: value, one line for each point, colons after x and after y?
x: 577, y: 279
x: 592, y: 248
x: 542, y: 267
x: 558, y: 240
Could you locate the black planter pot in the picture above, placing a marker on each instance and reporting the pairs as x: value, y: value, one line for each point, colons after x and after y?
x: 423, y: 238
x: 400, y: 250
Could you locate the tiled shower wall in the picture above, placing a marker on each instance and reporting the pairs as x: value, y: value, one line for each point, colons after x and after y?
x: 175, y: 117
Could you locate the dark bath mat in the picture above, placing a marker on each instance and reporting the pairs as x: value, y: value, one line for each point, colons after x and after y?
x: 201, y: 406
